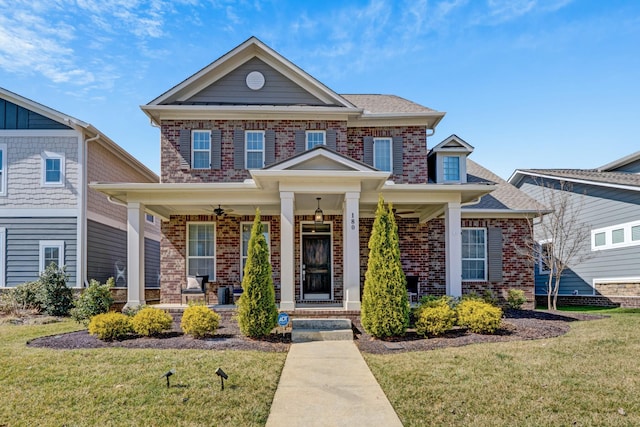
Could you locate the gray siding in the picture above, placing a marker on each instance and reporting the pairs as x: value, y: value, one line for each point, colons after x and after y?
x: 601, y: 207
x: 13, y: 116
x: 633, y: 167
x: 23, y: 236
x: 232, y: 89
x: 107, y: 255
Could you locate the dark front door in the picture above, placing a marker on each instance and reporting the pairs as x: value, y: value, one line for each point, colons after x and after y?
x: 316, y: 267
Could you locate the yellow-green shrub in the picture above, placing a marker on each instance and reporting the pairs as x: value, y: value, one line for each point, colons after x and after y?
x: 435, y: 319
x: 151, y: 321
x: 478, y: 316
x: 110, y: 326
x: 199, y: 321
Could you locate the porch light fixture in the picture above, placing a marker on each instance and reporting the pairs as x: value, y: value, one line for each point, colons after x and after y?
x: 318, y: 217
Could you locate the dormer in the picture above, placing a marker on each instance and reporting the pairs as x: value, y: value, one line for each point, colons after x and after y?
x: 447, y: 161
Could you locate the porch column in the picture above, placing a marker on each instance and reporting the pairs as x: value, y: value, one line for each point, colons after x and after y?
x: 453, y: 249
x: 287, y: 241
x: 135, y: 255
x: 351, y: 251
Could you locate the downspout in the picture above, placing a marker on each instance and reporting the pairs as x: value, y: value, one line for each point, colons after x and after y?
x: 83, y: 203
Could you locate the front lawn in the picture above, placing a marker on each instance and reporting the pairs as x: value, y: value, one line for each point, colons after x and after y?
x: 119, y: 386
x: 589, y: 377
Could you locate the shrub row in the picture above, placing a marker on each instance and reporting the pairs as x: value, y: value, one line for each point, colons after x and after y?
x: 435, y: 316
x: 197, y: 321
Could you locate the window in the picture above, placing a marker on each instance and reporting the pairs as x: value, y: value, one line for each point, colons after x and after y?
x: 616, y: 236
x: 544, y: 257
x: 52, y: 169
x: 3, y: 256
x: 315, y: 137
x: 201, y: 149
x: 474, y: 254
x: 451, y: 168
x: 3, y: 169
x: 254, y: 143
x: 382, y: 154
x: 51, y: 252
x: 150, y: 218
x: 244, y: 244
x: 201, y: 254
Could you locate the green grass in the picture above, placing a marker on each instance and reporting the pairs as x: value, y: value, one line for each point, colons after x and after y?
x: 589, y: 377
x: 122, y: 387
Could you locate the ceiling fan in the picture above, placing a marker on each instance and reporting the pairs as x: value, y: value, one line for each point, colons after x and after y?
x: 219, y: 211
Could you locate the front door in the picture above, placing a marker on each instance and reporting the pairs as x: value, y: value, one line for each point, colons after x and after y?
x: 316, y: 267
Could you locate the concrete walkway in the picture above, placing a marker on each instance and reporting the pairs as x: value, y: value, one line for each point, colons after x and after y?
x: 327, y: 383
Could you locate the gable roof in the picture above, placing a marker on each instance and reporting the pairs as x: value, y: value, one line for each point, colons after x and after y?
x: 633, y: 157
x: 88, y: 130
x: 621, y: 180
x: 504, y: 197
x: 453, y: 144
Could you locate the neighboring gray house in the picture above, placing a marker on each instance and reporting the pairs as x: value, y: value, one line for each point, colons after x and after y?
x: 610, y: 207
x: 47, y: 211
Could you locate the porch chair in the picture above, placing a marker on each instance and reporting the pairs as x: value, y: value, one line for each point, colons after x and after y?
x: 196, y: 287
x: 412, y: 288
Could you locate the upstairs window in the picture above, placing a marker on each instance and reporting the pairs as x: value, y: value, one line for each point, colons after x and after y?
x: 52, y: 169
x: 3, y: 169
x: 201, y: 149
x: 254, y: 149
x: 451, y: 168
x: 315, y: 137
x: 616, y: 236
x: 382, y: 154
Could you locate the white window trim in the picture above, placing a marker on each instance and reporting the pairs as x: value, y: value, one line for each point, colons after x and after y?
x: 193, y: 150
x: 444, y: 179
x: 3, y: 180
x: 215, y: 249
x: 51, y: 244
x: 49, y: 155
x: 309, y: 132
x: 3, y: 257
x: 150, y: 221
x: 375, y: 159
x: 243, y: 223
x: 247, y: 151
x: 627, y: 226
x: 476, y: 259
x: 541, y: 243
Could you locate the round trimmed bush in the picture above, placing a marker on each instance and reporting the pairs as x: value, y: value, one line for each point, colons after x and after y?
x: 515, y: 298
x: 435, y: 319
x: 110, y: 326
x: 478, y: 316
x: 151, y: 321
x: 96, y: 299
x: 199, y: 321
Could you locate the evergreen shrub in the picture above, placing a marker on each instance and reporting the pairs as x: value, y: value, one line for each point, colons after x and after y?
x: 478, y: 316
x: 110, y: 326
x: 151, y: 321
x: 515, y: 298
x: 435, y: 317
x: 96, y: 299
x: 53, y: 296
x: 199, y: 321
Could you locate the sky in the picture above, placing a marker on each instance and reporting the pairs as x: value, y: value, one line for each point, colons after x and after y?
x: 528, y: 83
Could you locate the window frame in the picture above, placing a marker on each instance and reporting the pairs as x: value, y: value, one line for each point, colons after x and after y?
x: 485, y: 259
x: 3, y: 170
x: 627, y: 233
x: 3, y: 256
x: 247, y: 150
x: 444, y: 168
x: 242, y: 256
x: 314, y: 132
x: 200, y: 150
x: 541, y: 263
x: 44, y: 244
x: 48, y: 155
x: 149, y: 218
x: 375, y: 157
x: 215, y: 251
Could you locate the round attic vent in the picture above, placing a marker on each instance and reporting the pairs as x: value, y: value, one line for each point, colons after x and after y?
x: 255, y: 80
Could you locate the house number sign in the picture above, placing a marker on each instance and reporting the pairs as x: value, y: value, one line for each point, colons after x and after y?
x: 353, y: 221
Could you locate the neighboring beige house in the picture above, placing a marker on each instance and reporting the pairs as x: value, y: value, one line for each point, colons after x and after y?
x: 253, y: 130
x: 49, y: 214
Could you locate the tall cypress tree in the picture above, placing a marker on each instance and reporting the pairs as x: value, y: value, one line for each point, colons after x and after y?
x: 257, y: 310
x: 385, y: 304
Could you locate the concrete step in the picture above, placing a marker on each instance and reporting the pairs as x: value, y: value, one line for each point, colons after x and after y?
x: 305, y: 330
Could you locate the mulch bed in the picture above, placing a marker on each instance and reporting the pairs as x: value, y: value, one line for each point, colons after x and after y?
x: 517, y: 325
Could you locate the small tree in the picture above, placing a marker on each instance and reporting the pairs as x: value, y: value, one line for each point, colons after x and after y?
x: 559, y: 235
x: 257, y: 310
x: 54, y: 297
x: 385, y: 303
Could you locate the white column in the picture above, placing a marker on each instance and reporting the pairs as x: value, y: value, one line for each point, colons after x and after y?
x: 453, y: 245
x: 287, y: 258
x: 351, y: 251
x: 135, y: 255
